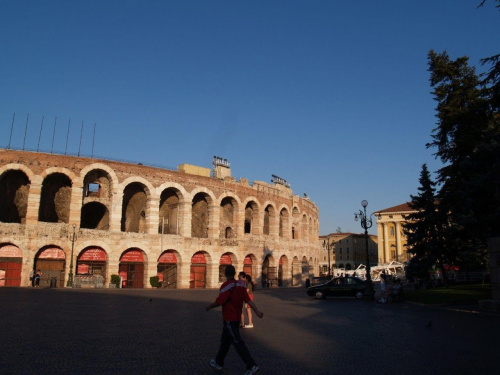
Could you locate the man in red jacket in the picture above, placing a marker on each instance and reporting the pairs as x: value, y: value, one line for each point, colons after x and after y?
x: 232, y: 294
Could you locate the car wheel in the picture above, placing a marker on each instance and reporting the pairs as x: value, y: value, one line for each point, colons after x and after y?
x: 359, y: 295
x: 319, y: 294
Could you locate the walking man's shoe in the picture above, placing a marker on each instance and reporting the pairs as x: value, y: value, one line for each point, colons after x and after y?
x: 255, y: 369
x: 216, y: 366
x: 248, y: 326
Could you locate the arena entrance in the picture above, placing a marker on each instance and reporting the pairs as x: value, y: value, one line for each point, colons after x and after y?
x: 51, y: 261
x: 131, y: 269
x: 198, y: 271
x: 11, y: 264
x: 225, y: 260
x: 248, y: 266
x: 92, y: 261
x: 167, y: 270
x: 269, y: 273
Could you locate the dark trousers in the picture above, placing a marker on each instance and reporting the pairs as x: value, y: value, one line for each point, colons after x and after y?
x: 231, y: 335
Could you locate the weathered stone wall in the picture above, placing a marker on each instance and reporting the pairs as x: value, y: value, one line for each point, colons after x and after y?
x: 132, y: 203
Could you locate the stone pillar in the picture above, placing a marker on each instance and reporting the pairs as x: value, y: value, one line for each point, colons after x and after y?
x: 150, y: 269
x: 34, y: 201
x: 399, y: 252
x: 115, y: 216
x: 213, y: 221
x: 184, y: 217
x: 386, y: 243
x: 152, y: 215
x: 75, y: 207
x: 380, y: 244
x: 274, y: 222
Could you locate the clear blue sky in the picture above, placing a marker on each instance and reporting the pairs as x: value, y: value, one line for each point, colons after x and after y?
x: 332, y: 96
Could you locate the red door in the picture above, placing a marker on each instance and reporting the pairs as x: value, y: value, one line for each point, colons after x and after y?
x: 10, y: 272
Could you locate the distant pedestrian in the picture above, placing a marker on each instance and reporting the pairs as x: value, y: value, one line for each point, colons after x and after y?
x: 32, y: 278
x: 232, y: 294
x: 38, y: 276
x: 250, y: 288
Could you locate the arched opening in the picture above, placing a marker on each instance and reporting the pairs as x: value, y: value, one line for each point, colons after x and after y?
x: 225, y: 260
x: 92, y: 261
x: 134, y: 208
x: 198, y: 271
x: 248, y: 263
x: 268, y: 214
x: 51, y: 263
x: 169, y: 212
x: 167, y: 269
x: 131, y: 268
x: 14, y: 191
x: 11, y: 264
x: 200, y: 216
x: 95, y: 215
x: 55, y: 199
x: 97, y: 184
x: 283, y: 226
x: 227, y: 221
x: 269, y: 272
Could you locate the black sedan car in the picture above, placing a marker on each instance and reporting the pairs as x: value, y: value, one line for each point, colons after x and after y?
x: 339, y: 287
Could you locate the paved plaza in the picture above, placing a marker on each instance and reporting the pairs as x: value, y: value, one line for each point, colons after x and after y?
x: 107, y: 331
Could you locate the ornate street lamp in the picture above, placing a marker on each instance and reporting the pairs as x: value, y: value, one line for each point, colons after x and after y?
x: 326, y: 245
x: 366, y: 223
x: 72, y: 238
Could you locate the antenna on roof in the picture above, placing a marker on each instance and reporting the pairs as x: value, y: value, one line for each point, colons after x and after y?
x: 53, y: 135
x: 67, y: 136
x: 26, y: 129
x: 40, y: 135
x: 81, y: 132
x: 11, y: 128
x: 93, y: 139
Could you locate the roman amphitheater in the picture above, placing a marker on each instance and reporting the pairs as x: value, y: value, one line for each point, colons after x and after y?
x: 78, y: 221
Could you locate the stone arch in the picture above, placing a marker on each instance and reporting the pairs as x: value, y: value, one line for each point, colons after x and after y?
x: 201, y: 265
x: 200, y: 215
x: 269, y: 215
x: 284, y: 222
x: 169, y: 212
x: 228, y: 217
x: 226, y: 259
x: 132, y: 267
x: 95, y: 215
x: 250, y: 266
x: 251, y: 219
x: 134, y: 208
x: 14, y: 192
x: 169, y: 267
x: 98, y: 184
x: 269, y: 272
x: 55, y: 198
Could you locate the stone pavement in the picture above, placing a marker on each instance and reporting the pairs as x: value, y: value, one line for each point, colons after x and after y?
x: 108, y: 331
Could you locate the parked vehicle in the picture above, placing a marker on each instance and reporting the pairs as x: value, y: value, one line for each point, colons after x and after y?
x: 339, y: 287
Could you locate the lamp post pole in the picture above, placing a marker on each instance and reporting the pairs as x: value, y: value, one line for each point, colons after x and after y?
x: 326, y: 245
x: 72, y: 238
x: 366, y: 223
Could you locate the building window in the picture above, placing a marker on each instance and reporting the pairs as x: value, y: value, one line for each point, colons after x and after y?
x: 392, y: 231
